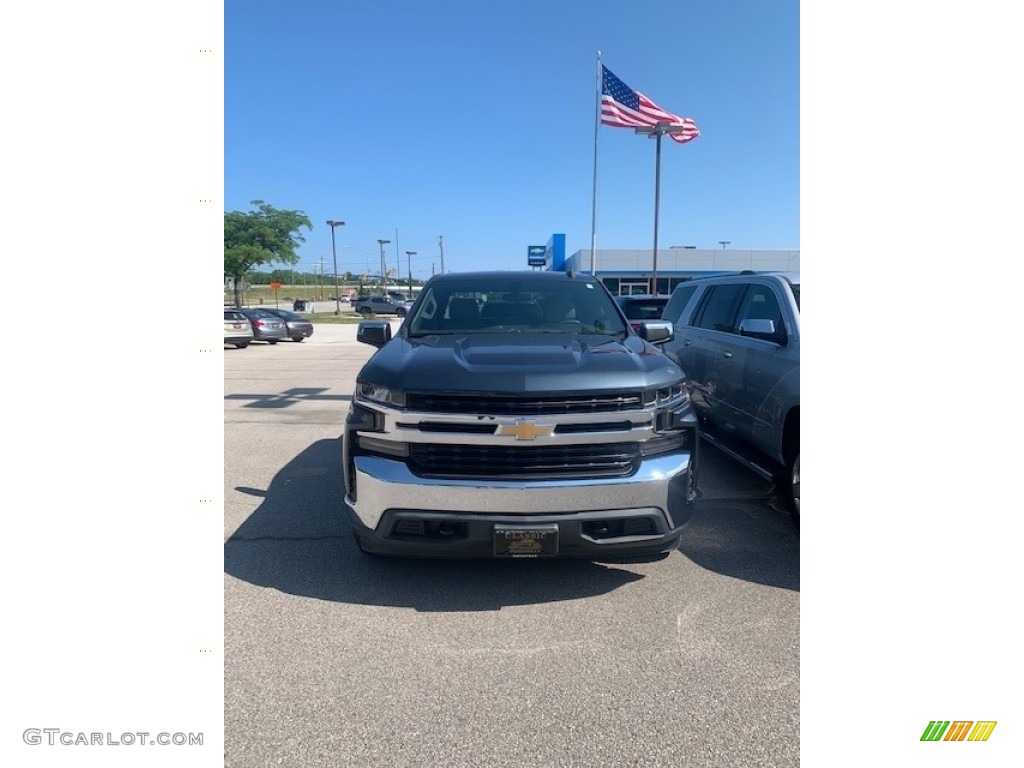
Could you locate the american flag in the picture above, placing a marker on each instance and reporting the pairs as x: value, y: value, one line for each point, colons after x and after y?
x: 623, y: 107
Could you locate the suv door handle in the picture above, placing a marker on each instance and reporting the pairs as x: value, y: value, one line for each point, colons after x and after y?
x: 726, y: 354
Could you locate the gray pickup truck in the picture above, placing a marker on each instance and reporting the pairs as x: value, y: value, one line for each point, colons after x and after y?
x: 518, y: 414
x: 737, y: 339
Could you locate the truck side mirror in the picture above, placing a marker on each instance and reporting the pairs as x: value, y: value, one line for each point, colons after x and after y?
x: 656, y: 331
x: 376, y: 333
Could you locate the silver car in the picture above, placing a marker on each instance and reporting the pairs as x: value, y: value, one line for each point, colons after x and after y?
x: 265, y: 325
x: 237, y: 329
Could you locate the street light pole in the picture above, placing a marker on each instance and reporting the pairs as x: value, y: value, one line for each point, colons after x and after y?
x: 337, y: 291
x: 409, y: 255
x: 724, y: 243
x: 657, y: 131
x: 383, y: 268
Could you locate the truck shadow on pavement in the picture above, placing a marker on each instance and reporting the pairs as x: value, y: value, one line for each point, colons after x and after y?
x: 299, y: 541
x: 742, y: 527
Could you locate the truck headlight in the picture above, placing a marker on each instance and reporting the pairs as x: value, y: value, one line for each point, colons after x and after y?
x: 673, y: 396
x: 671, y: 418
x: 377, y: 393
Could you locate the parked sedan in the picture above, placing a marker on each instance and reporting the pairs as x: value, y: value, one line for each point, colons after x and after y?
x: 237, y: 329
x: 298, y: 326
x: 265, y: 326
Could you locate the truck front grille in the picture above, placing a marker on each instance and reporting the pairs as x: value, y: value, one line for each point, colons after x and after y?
x: 538, y: 405
x: 505, y: 462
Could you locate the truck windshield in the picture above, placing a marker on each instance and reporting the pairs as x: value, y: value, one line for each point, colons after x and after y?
x: 512, y: 305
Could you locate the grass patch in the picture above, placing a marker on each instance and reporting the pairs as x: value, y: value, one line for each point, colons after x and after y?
x: 287, y: 293
x: 329, y: 318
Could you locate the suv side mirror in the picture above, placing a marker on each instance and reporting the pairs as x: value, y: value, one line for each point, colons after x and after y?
x: 376, y: 333
x: 759, y: 328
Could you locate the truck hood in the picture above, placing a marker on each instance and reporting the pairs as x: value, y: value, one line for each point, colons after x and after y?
x: 519, y: 364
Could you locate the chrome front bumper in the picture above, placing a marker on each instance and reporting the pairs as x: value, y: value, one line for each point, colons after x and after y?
x: 663, y: 483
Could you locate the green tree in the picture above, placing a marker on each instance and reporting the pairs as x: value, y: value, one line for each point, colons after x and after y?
x: 262, y: 236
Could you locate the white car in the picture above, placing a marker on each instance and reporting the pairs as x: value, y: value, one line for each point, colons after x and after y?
x: 237, y: 329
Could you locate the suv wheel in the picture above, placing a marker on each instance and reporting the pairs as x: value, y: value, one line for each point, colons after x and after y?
x: 365, y: 311
x: 400, y: 312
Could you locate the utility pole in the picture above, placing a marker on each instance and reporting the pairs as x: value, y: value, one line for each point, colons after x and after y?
x: 321, y: 277
x: 383, y: 268
x: 440, y: 242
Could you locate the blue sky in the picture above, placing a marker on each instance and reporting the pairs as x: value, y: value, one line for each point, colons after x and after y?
x: 475, y: 121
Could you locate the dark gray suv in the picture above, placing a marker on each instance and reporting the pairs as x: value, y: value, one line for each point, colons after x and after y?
x: 737, y: 339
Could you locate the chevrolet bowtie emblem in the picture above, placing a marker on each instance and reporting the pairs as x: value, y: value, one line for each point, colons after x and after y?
x: 525, y: 430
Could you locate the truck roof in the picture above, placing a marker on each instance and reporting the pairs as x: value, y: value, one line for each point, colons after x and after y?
x: 520, y: 275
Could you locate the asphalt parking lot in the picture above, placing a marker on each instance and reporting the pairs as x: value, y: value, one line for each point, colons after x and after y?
x: 333, y: 658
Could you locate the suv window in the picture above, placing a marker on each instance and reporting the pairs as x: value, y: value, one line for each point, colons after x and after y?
x: 760, y: 303
x: 718, y: 310
x: 676, y: 305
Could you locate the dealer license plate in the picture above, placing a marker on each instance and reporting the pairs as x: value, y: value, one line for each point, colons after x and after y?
x: 526, y: 540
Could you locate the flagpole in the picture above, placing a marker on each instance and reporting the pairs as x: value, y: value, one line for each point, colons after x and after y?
x: 593, y: 203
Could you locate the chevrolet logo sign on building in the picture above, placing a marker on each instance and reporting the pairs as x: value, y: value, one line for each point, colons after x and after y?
x: 526, y: 430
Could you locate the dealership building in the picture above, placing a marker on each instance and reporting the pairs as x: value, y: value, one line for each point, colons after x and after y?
x: 630, y: 271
